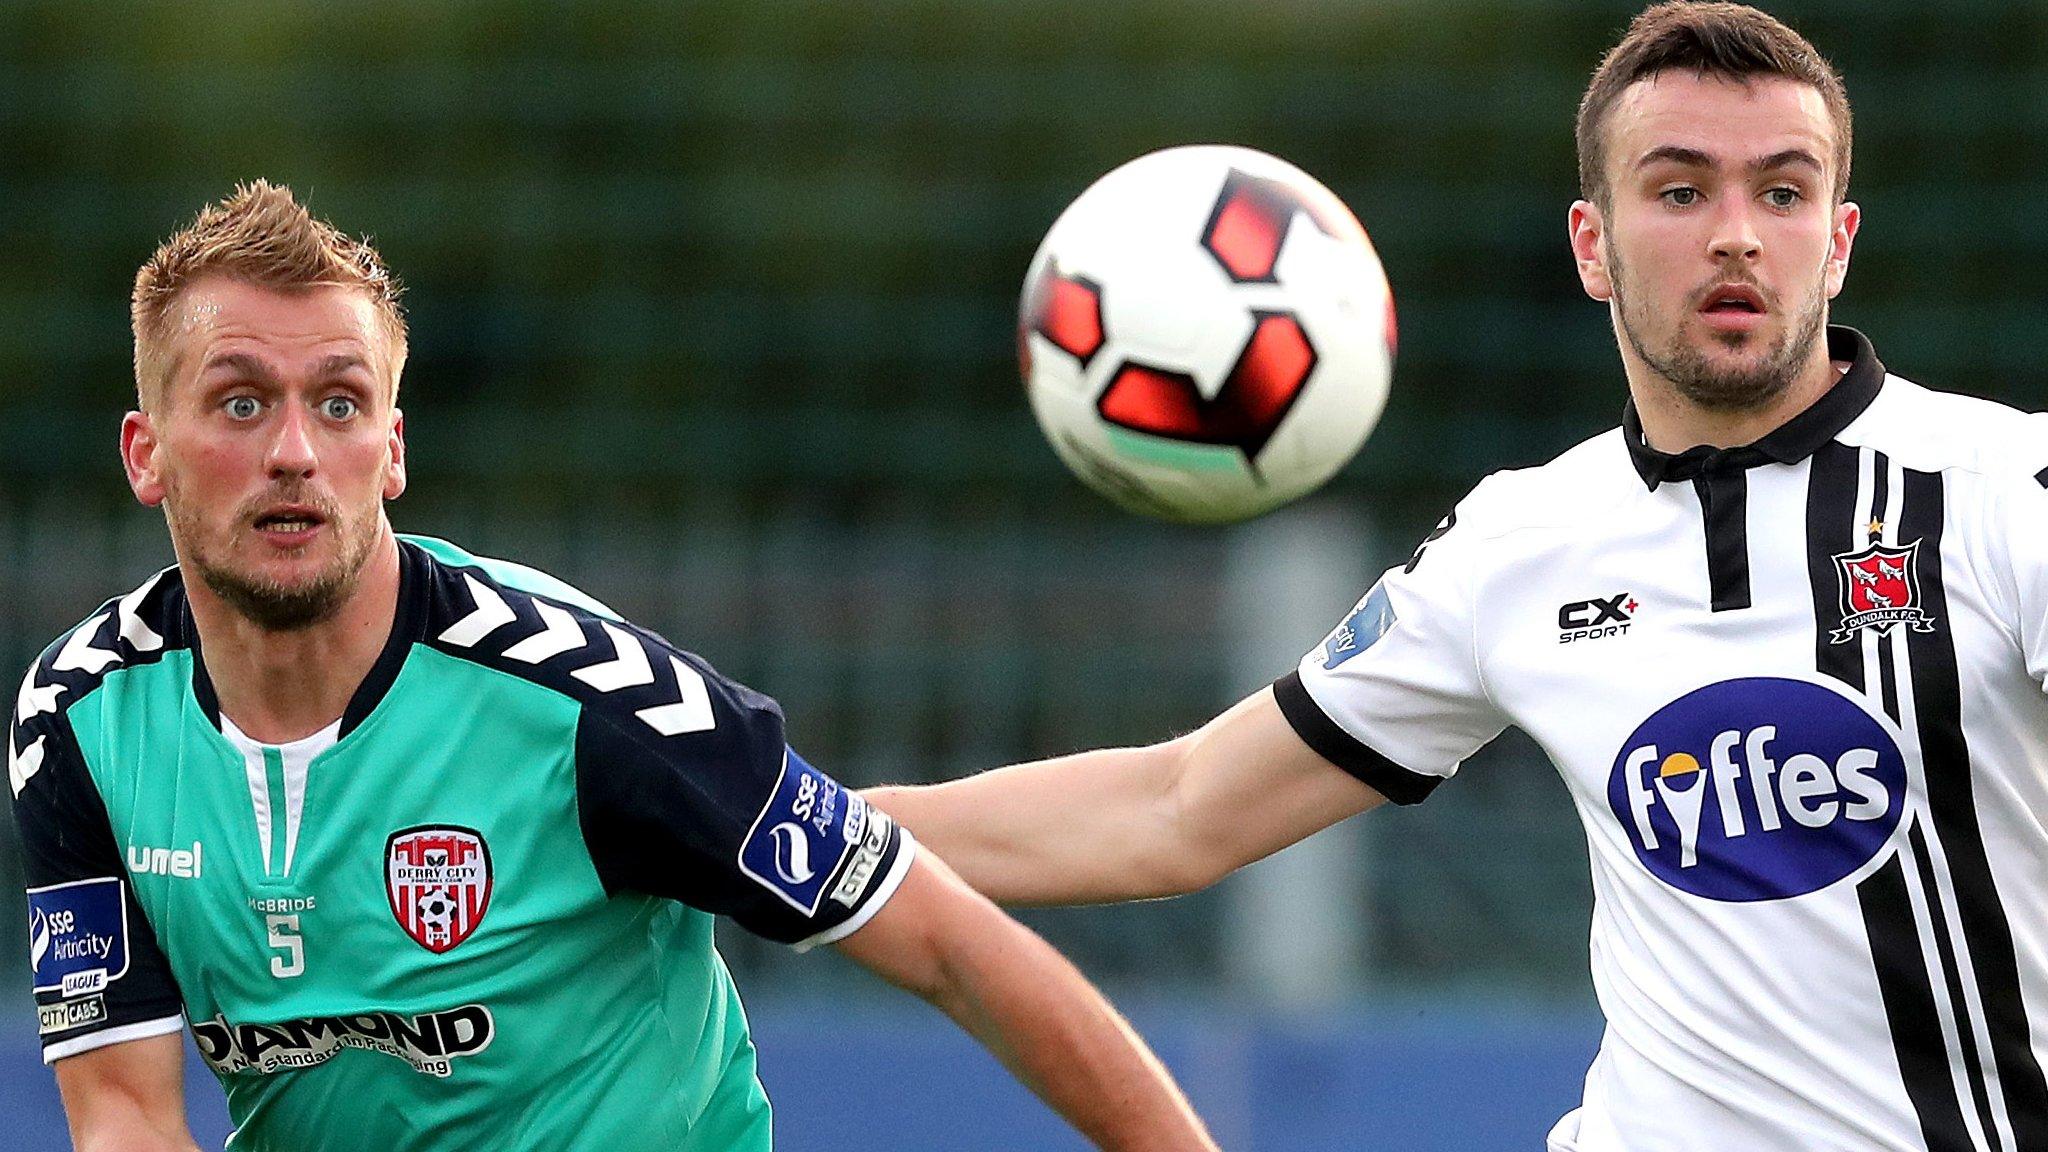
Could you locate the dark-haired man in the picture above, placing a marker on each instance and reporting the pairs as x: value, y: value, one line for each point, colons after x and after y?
x: 1784, y: 633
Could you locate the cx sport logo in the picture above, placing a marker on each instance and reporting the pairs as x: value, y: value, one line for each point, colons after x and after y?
x: 1758, y: 789
x: 1595, y: 619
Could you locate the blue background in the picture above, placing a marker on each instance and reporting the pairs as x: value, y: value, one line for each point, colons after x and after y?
x: 879, y: 1071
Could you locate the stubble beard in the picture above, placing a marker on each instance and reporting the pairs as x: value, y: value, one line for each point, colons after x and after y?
x: 1697, y: 378
x: 269, y: 604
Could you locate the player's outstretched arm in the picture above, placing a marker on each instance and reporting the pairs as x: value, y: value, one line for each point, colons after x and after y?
x: 1134, y: 823
x: 1030, y: 1007
x: 127, y: 1097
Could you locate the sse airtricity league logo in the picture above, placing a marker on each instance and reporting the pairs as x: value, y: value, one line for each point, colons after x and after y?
x: 1369, y: 621
x: 1758, y: 789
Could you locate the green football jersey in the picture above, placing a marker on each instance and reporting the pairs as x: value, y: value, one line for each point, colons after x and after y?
x: 476, y: 912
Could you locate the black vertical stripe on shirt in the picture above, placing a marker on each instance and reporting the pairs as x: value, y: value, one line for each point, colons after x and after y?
x: 1952, y: 978
x: 1908, y: 994
x: 1951, y: 802
x: 1831, y: 531
x: 1887, y: 669
x: 1937, y: 915
x: 1888, y: 678
x: 1724, y: 508
x: 1836, y: 525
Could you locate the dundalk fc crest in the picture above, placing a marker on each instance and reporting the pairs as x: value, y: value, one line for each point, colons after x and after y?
x: 1880, y: 590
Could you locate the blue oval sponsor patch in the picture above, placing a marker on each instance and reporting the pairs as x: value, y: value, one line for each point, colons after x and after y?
x: 1758, y: 789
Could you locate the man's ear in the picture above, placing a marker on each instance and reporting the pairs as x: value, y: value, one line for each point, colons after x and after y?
x: 394, y: 472
x: 1848, y: 218
x: 139, y: 458
x: 1587, y: 227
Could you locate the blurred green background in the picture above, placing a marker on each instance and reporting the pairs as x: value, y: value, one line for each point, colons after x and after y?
x: 713, y: 312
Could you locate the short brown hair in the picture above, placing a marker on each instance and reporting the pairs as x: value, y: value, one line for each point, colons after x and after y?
x: 1732, y: 41
x: 259, y: 235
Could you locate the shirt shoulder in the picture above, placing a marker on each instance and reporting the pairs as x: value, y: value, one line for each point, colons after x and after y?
x: 529, y: 580
x: 1579, y: 487
x: 530, y: 625
x: 1934, y: 431
x: 137, y: 628
x: 685, y: 784
x: 78, y: 890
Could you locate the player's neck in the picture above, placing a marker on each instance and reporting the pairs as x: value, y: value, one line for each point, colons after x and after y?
x: 1672, y: 423
x: 278, y: 687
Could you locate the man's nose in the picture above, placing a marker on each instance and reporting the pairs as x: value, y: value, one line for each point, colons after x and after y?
x: 291, y: 447
x: 1735, y: 236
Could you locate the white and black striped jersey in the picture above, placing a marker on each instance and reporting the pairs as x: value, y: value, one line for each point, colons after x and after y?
x: 1796, y: 692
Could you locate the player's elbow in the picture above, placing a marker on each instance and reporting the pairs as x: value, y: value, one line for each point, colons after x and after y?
x: 1179, y: 877
x: 1179, y: 857
x: 1192, y: 864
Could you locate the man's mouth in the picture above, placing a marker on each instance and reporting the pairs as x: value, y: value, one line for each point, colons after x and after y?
x: 290, y: 520
x: 1734, y: 298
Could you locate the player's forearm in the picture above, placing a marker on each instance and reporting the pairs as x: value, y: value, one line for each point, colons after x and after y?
x: 127, y: 1097
x: 1089, y: 828
x: 115, y: 1120
x: 1063, y: 1040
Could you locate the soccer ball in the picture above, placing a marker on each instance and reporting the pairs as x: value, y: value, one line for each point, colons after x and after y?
x: 1206, y: 334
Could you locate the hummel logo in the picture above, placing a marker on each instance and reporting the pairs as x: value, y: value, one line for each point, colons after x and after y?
x: 180, y: 862
x: 1595, y: 619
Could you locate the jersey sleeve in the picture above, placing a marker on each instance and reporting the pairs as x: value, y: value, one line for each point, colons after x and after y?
x: 2020, y: 532
x: 1394, y: 694
x: 98, y: 973
x: 706, y: 803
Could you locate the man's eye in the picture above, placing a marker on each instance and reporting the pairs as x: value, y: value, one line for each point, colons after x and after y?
x: 243, y: 407
x: 338, y: 407
x: 1682, y: 197
x: 1782, y: 197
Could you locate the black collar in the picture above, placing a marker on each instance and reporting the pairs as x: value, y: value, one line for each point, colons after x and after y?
x: 1790, y: 442
x: 407, y: 628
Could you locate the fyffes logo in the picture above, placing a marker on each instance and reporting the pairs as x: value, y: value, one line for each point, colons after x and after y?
x: 1758, y: 789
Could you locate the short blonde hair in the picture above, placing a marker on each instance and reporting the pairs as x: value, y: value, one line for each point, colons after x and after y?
x: 259, y: 235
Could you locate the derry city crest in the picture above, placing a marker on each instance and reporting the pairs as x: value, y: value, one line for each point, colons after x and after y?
x: 1880, y: 590
x: 438, y: 878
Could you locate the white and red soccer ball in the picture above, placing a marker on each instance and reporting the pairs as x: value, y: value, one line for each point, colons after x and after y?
x: 1206, y: 334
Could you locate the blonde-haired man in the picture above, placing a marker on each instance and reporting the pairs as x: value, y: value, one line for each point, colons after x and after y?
x: 425, y: 846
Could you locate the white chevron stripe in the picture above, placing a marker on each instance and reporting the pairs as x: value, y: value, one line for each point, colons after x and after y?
x: 21, y: 766
x: 490, y: 615
x: 33, y: 700
x: 80, y: 656
x: 628, y: 670
x: 692, y: 713
x: 561, y: 634
x: 140, y: 636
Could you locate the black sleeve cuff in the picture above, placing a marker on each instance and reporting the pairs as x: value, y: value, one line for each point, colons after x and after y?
x: 1346, y: 751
